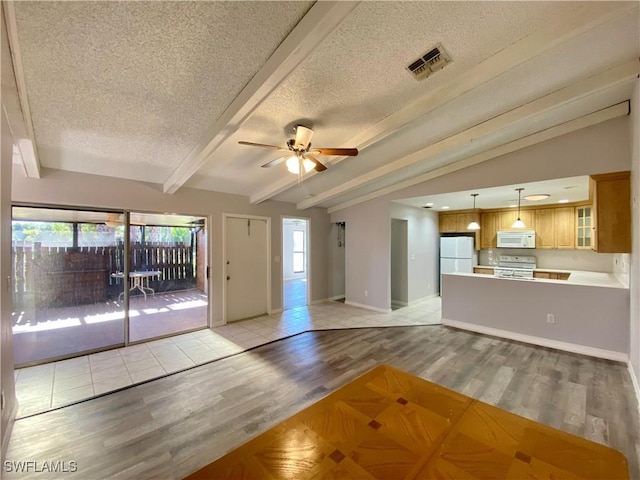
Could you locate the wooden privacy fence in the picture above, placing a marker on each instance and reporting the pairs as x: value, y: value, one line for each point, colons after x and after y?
x: 64, y: 276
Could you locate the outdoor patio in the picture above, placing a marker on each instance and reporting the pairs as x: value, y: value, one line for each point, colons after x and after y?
x: 43, y: 333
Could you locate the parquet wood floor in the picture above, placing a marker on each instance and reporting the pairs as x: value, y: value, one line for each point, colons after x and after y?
x: 171, y: 427
x: 388, y: 424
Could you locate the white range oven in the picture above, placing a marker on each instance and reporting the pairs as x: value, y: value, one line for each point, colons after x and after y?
x: 515, y: 266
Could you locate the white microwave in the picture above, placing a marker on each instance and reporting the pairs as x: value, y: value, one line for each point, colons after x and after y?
x: 517, y: 239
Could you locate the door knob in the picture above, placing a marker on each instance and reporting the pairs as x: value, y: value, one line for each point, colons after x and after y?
x: 228, y: 277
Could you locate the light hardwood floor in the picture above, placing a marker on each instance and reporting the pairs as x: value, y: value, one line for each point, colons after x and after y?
x: 172, y: 426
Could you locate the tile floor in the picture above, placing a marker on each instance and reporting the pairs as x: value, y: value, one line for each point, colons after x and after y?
x: 53, y: 385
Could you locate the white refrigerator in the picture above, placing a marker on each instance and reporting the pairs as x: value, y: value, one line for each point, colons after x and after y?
x: 456, y: 255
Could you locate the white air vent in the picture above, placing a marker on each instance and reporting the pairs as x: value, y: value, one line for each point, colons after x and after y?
x: 432, y: 61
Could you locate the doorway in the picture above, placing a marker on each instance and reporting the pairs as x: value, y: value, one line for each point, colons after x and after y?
x: 338, y: 261
x: 399, y: 264
x: 295, y: 262
x: 247, y: 273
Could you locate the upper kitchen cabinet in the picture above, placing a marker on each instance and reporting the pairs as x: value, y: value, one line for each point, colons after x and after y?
x: 555, y: 227
x: 584, y: 227
x: 489, y: 230
x: 448, y: 222
x: 507, y: 218
x: 456, y: 222
x: 611, y: 194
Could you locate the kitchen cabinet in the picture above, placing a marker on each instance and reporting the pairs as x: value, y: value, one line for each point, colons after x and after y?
x: 448, y: 222
x: 584, y: 227
x: 489, y: 230
x: 611, y: 194
x: 457, y: 222
x: 464, y: 219
x: 564, y: 227
x: 551, y: 275
x: 544, y: 228
x: 506, y: 218
x: 483, y: 270
x: 555, y: 227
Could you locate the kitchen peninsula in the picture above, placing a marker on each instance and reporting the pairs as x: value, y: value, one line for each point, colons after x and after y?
x: 588, y: 313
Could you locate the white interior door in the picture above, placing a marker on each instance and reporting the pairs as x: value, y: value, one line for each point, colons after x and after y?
x: 246, y: 268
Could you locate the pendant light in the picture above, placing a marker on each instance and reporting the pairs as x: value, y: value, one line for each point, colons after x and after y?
x: 518, y: 223
x: 474, y: 225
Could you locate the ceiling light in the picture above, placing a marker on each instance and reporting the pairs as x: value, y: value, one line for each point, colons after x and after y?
x: 536, y: 197
x: 293, y: 165
x: 474, y: 225
x: 445, y: 207
x: 518, y: 223
x: 564, y: 200
x: 430, y: 204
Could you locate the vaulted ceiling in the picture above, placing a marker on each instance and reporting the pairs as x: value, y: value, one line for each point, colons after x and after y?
x: 163, y: 91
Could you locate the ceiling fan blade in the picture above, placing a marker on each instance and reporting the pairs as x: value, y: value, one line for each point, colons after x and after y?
x: 275, y: 162
x: 262, y: 145
x: 347, y: 152
x: 319, y: 166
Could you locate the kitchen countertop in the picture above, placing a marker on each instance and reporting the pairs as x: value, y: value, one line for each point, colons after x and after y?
x: 576, y: 277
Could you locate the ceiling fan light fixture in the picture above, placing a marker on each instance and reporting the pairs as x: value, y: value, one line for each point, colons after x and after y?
x: 303, y: 136
x: 293, y: 165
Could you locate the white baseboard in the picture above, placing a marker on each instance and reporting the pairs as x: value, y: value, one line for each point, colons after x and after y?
x: 9, y: 429
x: 399, y: 304
x: 368, y: 307
x: 636, y: 386
x: 543, y: 342
x: 422, y: 299
x: 335, y: 297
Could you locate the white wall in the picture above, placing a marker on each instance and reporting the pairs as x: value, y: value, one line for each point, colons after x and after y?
x: 423, y: 255
x: 586, y: 316
x: 337, y: 262
x: 367, y: 239
x: 559, y: 259
x: 288, y: 227
x: 634, y: 271
x: 399, y: 260
x: 597, y: 149
x: 76, y: 189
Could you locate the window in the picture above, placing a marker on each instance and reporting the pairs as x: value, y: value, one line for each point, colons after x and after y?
x: 298, y: 251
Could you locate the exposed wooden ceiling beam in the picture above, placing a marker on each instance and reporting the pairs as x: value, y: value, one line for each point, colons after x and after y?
x: 15, y: 101
x: 585, y: 121
x: 609, y: 78
x: 319, y: 21
x: 505, y: 60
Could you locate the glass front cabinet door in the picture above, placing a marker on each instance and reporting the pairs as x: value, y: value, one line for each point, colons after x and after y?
x: 584, y: 228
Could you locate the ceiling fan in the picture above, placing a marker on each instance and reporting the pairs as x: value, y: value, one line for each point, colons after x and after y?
x: 300, y: 156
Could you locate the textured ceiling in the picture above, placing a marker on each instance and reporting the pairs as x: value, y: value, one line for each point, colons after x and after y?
x: 132, y: 88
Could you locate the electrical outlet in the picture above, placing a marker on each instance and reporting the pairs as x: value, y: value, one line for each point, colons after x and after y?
x: 551, y: 318
x: 366, y: 293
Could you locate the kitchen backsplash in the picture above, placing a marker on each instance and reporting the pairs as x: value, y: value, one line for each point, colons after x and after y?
x: 621, y: 263
x: 559, y: 259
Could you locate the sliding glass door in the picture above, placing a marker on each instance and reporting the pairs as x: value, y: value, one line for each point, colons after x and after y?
x: 74, y: 272
x: 65, y: 298
x: 167, y: 272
